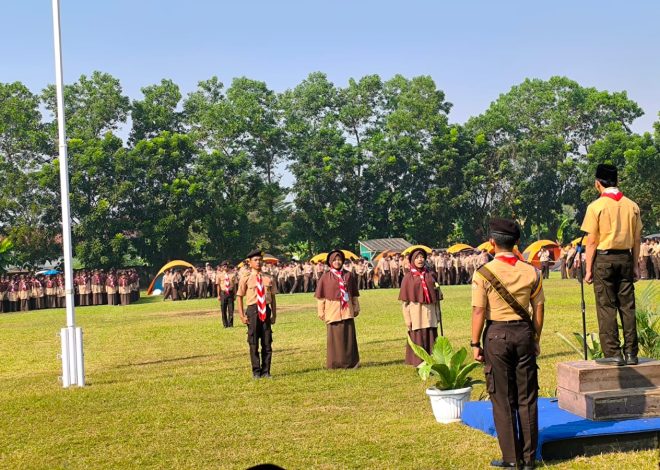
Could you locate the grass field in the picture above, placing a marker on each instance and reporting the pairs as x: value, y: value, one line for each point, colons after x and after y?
x: 168, y: 387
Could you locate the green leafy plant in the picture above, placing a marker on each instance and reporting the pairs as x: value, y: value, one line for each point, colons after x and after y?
x: 648, y: 322
x: 6, y: 247
x: 446, y: 367
x: 594, y: 350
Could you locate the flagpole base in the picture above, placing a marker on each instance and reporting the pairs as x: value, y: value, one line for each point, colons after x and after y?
x: 73, y: 363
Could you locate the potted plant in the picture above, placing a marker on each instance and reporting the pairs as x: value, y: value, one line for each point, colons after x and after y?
x: 451, y: 376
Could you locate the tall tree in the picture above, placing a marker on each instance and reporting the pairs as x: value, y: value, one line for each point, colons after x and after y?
x: 93, y: 106
x: 157, y: 111
x: 534, y: 138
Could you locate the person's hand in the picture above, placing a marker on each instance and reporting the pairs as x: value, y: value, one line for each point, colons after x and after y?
x: 272, y: 319
x: 537, y: 348
x: 244, y: 319
x: 589, y: 277
x: 478, y: 354
x: 636, y: 273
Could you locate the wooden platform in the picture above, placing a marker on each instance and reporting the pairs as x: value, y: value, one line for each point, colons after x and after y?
x: 601, y: 392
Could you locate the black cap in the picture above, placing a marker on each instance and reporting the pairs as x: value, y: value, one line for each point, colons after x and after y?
x: 504, y: 227
x: 412, y: 254
x: 254, y: 253
x: 606, y: 172
x: 333, y: 254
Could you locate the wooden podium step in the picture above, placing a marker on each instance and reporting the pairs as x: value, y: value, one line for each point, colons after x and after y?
x: 628, y: 403
x: 609, y: 392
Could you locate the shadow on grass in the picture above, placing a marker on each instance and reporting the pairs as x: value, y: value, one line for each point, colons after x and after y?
x: 363, y: 365
x: 173, y: 359
x: 401, y: 340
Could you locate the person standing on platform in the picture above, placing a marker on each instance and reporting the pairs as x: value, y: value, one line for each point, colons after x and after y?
x: 420, y: 301
x: 337, y: 305
x: 503, y: 291
x: 614, y: 229
x: 258, y: 291
x: 226, y: 292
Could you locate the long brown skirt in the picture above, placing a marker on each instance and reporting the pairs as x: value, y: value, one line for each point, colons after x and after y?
x: 342, y: 345
x: 425, y: 338
x: 125, y: 298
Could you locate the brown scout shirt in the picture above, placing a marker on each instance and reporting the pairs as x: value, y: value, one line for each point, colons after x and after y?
x: 519, y: 279
x: 615, y: 224
x: 247, y: 287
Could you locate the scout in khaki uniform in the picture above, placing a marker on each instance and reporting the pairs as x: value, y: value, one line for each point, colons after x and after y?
x: 614, y: 227
x: 337, y: 305
x: 503, y: 291
x: 257, y: 291
x: 421, y: 312
x: 226, y: 288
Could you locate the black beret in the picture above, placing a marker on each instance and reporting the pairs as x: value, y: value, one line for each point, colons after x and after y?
x: 412, y: 254
x: 606, y: 172
x: 332, y: 255
x: 254, y: 253
x: 504, y: 227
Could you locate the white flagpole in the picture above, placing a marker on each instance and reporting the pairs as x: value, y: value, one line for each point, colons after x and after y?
x: 73, y: 372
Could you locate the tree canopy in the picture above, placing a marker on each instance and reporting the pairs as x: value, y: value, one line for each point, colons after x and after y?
x: 199, y: 176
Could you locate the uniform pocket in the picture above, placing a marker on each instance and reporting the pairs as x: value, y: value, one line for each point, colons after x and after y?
x: 490, y: 382
x: 496, y: 342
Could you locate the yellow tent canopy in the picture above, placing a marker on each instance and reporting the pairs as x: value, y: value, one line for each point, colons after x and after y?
x: 486, y: 246
x: 321, y: 257
x: 459, y: 247
x: 270, y: 259
x: 416, y: 247
x: 531, y: 253
x: 382, y: 254
x: 491, y: 249
x: 172, y: 264
x: 577, y: 240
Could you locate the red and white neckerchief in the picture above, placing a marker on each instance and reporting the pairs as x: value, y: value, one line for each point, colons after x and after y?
x: 342, y: 287
x: 227, y: 283
x: 612, y: 193
x: 422, y: 276
x: 261, y: 297
x: 508, y: 258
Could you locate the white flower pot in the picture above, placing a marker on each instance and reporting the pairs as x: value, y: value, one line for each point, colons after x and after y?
x: 447, y: 405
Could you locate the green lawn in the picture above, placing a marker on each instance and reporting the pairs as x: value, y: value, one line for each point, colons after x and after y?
x: 168, y: 387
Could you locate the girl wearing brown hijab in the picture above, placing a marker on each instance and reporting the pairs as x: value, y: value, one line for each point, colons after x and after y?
x: 337, y: 298
x: 420, y: 305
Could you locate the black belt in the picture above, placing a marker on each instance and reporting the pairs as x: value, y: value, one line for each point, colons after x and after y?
x: 502, y: 322
x: 612, y: 252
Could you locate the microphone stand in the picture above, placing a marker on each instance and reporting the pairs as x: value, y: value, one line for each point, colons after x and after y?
x: 579, y: 251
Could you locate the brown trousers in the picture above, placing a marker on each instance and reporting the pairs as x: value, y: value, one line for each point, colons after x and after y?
x: 615, y: 291
x: 512, y: 383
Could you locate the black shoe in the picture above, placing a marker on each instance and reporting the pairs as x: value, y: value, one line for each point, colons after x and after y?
x: 631, y: 360
x: 502, y: 464
x: 529, y: 466
x: 266, y: 375
x: 256, y: 376
x: 611, y: 361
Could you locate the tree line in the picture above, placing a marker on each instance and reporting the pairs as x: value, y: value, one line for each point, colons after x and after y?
x: 198, y: 177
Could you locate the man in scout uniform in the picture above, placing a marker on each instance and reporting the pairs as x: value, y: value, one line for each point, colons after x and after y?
x: 503, y: 291
x: 614, y: 228
x: 226, y: 286
x: 257, y: 291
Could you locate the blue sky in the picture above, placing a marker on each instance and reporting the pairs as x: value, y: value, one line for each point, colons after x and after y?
x: 474, y: 50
